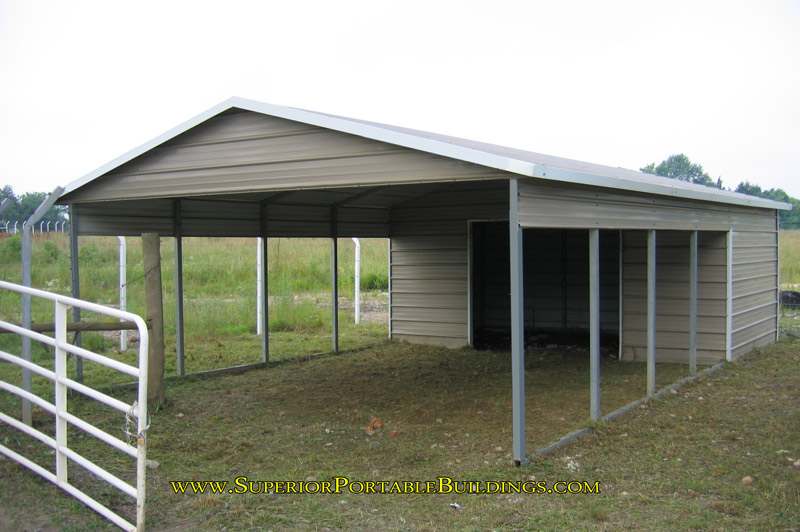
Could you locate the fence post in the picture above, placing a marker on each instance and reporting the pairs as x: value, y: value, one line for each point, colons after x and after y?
x: 259, y: 285
x: 357, y: 302
x: 27, y: 228
x: 75, y: 280
x: 151, y: 258
x: 123, y: 288
x: 60, y: 318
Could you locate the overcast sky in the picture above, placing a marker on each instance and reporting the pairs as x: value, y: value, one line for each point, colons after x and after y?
x: 622, y: 83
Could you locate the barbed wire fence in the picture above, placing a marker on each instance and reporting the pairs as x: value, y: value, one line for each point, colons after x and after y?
x: 15, y: 227
x: 220, y: 312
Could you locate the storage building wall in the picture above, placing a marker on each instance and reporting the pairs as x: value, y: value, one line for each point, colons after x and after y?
x: 428, y: 260
x: 672, y: 296
x: 755, y: 286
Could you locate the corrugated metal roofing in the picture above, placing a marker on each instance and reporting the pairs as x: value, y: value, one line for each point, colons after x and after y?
x: 503, y: 158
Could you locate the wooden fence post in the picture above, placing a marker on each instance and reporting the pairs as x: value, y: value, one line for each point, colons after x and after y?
x: 151, y: 259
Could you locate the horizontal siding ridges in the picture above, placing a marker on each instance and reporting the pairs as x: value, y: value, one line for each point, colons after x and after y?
x: 429, y: 289
x: 579, y: 206
x: 755, y: 290
x: 672, y: 296
x: 247, y: 152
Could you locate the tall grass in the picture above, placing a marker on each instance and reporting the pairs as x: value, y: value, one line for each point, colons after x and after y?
x: 790, y: 256
x: 219, y: 285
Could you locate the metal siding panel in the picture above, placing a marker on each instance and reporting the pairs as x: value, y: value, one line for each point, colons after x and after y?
x: 314, y: 159
x: 755, y: 293
x: 672, y: 304
x: 438, y: 286
x: 568, y: 205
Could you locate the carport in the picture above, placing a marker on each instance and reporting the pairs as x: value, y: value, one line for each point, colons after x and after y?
x: 676, y: 271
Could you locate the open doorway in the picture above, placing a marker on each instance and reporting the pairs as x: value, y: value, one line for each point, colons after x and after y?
x: 556, y: 284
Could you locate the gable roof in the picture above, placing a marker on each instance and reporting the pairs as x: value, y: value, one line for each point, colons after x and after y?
x: 521, y: 162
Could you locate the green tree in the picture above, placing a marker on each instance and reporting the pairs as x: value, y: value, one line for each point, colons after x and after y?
x: 786, y: 219
x: 680, y: 167
x: 23, y: 207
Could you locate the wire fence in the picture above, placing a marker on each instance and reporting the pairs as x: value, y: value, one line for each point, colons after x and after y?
x: 15, y: 227
x: 220, y: 288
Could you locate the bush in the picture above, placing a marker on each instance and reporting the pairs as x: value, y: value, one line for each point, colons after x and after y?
x: 92, y: 254
x: 11, y: 250
x: 49, y: 252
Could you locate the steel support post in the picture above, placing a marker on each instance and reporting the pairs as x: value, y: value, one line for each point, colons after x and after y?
x: 693, y: 303
x: 594, y: 323
x: 651, y: 312
x: 178, y: 279
x: 517, y: 325
x: 729, y: 298
x: 334, y: 283
x: 264, y: 286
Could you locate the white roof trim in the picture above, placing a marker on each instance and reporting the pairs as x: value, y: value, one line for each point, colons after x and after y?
x: 510, y: 160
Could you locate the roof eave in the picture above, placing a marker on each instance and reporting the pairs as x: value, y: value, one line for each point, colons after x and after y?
x: 428, y: 145
x: 573, y: 176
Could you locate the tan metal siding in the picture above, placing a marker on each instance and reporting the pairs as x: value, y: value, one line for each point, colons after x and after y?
x: 568, y: 205
x: 429, y: 260
x: 228, y: 219
x: 243, y: 152
x: 755, y: 289
x: 672, y: 296
x: 429, y: 289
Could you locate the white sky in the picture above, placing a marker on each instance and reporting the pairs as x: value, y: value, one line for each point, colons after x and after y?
x: 622, y: 83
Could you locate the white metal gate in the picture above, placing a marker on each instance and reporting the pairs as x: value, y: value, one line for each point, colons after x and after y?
x: 136, y: 411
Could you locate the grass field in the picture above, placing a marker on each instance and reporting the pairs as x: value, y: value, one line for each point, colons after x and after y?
x: 219, y: 293
x: 676, y: 464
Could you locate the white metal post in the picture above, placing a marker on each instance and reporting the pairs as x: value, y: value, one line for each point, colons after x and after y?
x: 517, y: 325
x: 693, y: 303
x: 123, y: 288
x: 594, y: 323
x: 60, y: 319
x: 142, y: 425
x: 651, y: 313
x: 259, y: 286
x: 26, y: 319
x: 357, y: 282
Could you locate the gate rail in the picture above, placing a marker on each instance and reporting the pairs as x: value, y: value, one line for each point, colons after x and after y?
x: 137, y: 410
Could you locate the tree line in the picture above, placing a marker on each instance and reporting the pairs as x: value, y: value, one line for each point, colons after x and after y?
x: 22, y: 207
x: 679, y: 166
